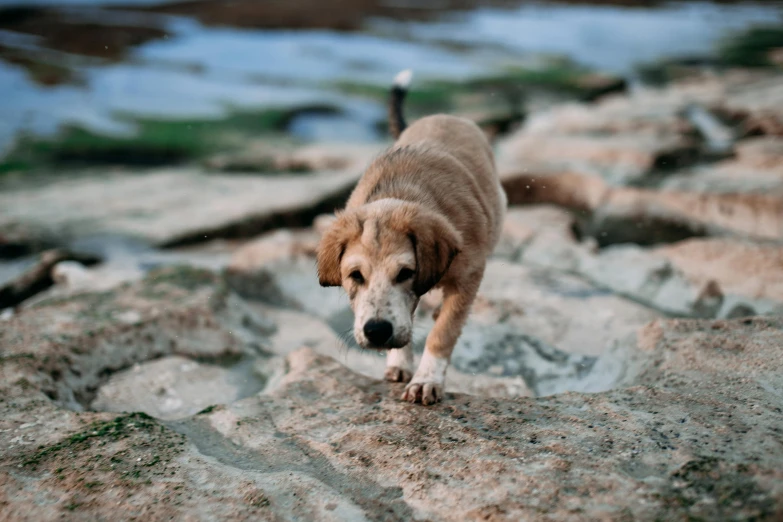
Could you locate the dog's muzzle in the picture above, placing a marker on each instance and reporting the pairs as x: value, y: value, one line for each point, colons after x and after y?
x: 378, y: 332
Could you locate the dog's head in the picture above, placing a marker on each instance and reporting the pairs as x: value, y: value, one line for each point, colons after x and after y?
x: 386, y: 255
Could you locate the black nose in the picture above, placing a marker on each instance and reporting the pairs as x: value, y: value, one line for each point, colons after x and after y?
x: 378, y: 331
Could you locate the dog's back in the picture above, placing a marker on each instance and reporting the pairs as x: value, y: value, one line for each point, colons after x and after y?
x: 443, y: 161
x: 467, y: 143
x: 462, y: 138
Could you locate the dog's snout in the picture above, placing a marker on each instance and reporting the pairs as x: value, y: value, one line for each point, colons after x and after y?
x: 378, y: 331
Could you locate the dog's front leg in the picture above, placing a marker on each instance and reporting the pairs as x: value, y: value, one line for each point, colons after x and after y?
x: 427, y: 383
x: 399, y: 364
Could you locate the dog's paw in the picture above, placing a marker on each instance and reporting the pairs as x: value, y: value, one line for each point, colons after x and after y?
x: 427, y: 384
x: 397, y: 374
x: 424, y: 392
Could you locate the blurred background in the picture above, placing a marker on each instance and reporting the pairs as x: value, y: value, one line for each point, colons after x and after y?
x: 148, y: 132
x: 155, y: 82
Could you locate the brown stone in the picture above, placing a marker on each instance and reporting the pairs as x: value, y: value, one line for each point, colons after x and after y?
x: 620, y: 159
x: 739, y: 267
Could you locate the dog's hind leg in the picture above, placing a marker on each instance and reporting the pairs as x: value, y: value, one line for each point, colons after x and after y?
x: 399, y: 364
x: 427, y: 383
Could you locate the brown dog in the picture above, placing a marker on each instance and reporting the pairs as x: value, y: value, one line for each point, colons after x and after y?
x: 427, y: 213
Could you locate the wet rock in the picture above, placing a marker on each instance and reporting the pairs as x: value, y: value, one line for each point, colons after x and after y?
x: 174, y: 207
x: 670, y: 103
x: 617, y: 226
x: 604, y: 214
x: 507, y: 351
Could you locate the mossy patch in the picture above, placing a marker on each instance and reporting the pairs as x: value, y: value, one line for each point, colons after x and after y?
x: 154, y: 142
x: 431, y: 96
x: 443, y: 95
x: 207, y: 410
x: 662, y: 72
x: 711, y: 489
x: 182, y: 276
x: 16, y: 357
x: 127, y: 453
x: 753, y: 47
x: 91, y: 299
x: 119, y: 428
x: 569, y: 79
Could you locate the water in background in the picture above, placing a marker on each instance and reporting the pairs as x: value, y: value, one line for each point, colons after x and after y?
x: 200, y: 71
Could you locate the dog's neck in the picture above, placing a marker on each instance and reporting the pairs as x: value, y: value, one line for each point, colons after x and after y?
x: 396, y: 191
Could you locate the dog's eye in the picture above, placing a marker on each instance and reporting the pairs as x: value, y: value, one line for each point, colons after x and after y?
x: 404, y: 275
x: 357, y: 276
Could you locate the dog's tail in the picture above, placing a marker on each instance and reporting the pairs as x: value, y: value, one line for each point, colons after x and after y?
x: 397, y: 96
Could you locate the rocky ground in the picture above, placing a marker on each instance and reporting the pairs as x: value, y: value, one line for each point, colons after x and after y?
x: 621, y: 361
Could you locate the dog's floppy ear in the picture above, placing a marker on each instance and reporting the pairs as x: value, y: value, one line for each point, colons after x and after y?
x: 436, y: 243
x: 332, y: 247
